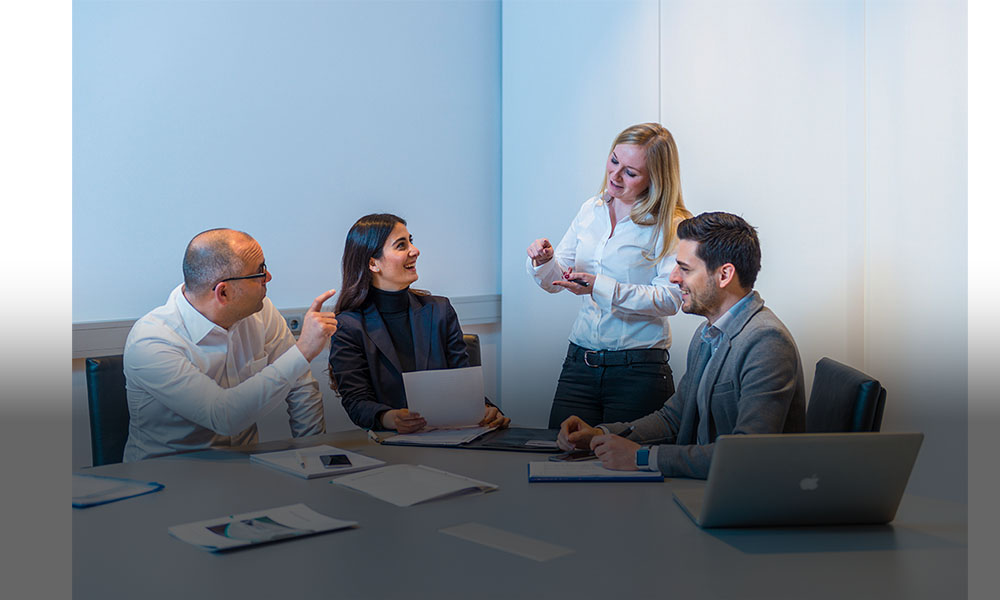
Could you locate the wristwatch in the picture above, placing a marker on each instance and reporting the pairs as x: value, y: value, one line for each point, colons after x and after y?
x: 642, y: 457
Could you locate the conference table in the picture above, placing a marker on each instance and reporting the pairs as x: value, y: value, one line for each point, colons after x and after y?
x: 628, y: 539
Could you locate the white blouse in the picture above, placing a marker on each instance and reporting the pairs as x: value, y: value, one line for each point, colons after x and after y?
x: 632, y: 295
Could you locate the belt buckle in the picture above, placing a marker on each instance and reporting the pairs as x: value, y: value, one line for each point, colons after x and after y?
x: 586, y: 356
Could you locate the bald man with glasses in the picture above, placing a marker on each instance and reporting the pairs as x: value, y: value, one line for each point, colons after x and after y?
x: 204, y: 367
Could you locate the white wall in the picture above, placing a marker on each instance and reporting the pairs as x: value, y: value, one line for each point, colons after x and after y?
x: 917, y: 265
x: 766, y: 99
x: 288, y: 120
x: 836, y: 127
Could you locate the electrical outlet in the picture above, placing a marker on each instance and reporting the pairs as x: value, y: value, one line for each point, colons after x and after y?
x: 294, y: 324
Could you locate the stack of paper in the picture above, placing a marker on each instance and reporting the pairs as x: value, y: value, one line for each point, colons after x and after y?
x: 585, y: 471
x: 91, y: 490
x: 406, y: 485
x: 258, y: 527
x: 308, y: 464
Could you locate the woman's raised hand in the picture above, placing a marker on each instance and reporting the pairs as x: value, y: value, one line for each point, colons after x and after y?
x: 540, y: 252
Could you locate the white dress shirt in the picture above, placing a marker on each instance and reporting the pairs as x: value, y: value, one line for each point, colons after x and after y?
x: 192, y: 384
x: 632, y: 295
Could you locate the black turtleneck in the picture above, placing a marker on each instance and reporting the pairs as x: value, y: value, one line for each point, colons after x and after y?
x: 395, y: 310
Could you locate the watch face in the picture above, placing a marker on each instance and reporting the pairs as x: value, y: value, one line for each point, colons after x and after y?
x: 642, y: 457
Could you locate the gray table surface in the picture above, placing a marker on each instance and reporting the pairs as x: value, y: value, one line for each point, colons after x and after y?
x: 629, y: 539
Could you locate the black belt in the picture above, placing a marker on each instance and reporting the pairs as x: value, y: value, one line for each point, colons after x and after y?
x: 614, y: 358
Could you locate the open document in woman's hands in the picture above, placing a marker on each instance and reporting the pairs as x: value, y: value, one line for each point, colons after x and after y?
x: 446, y: 397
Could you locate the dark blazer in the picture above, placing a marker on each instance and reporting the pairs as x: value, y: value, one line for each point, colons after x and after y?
x: 366, y: 367
x: 752, y: 384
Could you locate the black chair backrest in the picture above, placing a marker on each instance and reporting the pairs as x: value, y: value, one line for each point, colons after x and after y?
x: 108, y: 407
x: 844, y: 399
x: 472, y: 346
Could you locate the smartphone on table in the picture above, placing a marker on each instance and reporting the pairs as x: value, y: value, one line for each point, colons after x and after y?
x: 335, y: 460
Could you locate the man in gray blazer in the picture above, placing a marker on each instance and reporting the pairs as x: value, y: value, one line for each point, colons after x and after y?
x: 744, y: 374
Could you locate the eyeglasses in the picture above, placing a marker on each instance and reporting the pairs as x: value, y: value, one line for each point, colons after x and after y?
x: 263, y: 273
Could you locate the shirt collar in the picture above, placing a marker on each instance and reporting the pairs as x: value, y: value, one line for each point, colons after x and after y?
x: 717, y: 328
x: 198, y: 326
x: 607, y: 208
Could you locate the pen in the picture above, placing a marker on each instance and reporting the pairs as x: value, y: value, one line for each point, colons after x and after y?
x: 628, y: 431
x: 302, y: 459
x: 374, y: 437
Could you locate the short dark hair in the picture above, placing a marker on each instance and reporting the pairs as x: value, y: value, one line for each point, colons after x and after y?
x: 210, y: 258
x: 724, y: 238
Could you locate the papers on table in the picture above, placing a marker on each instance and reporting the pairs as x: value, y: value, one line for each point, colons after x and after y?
x: 258, y: 527
x: 439, y: 437
x: 406, y: 485
x: 289, y: 461
x: 584, y: 471
x: 446, y: 397
x: 91, y: 490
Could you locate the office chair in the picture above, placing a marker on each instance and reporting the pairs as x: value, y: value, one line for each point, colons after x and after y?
x: 472, y: 346
x: 108, y: 408
x: 844, y: 399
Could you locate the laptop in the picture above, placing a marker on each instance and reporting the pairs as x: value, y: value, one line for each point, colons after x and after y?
x: 803, y: 479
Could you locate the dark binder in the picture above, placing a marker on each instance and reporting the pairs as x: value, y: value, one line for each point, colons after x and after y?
x: 517, y: 439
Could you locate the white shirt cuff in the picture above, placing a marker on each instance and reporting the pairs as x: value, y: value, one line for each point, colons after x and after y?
x: 292, y: 364
x: 654, y: 464
x: 604, y: 291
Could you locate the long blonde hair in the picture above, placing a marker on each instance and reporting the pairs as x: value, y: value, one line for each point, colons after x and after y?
x: 662, y: 204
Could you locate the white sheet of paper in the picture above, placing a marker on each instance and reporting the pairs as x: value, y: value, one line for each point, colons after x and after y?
x: 406, y: 485
x: 446, y: 397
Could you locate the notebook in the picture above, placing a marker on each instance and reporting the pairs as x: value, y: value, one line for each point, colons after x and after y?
x: 803, y: 479
x: 308, y: 462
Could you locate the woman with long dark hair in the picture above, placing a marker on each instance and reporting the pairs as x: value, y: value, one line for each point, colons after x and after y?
x: 386, y: 328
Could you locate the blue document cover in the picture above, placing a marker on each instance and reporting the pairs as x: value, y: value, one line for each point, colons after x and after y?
x: 92, y: 490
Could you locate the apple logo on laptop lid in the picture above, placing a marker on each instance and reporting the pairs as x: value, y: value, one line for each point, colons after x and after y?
x: 809, y: 483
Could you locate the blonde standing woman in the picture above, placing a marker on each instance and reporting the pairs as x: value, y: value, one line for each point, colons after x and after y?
x: 617, y: 256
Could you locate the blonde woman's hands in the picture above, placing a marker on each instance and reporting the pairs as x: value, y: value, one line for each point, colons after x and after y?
x: 579, y: 283
x: 540, y: 252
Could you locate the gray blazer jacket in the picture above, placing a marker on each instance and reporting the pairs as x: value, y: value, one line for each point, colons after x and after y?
x: 754, y: 384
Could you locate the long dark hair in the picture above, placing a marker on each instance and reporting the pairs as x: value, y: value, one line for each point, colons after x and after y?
x: 364, y: 242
